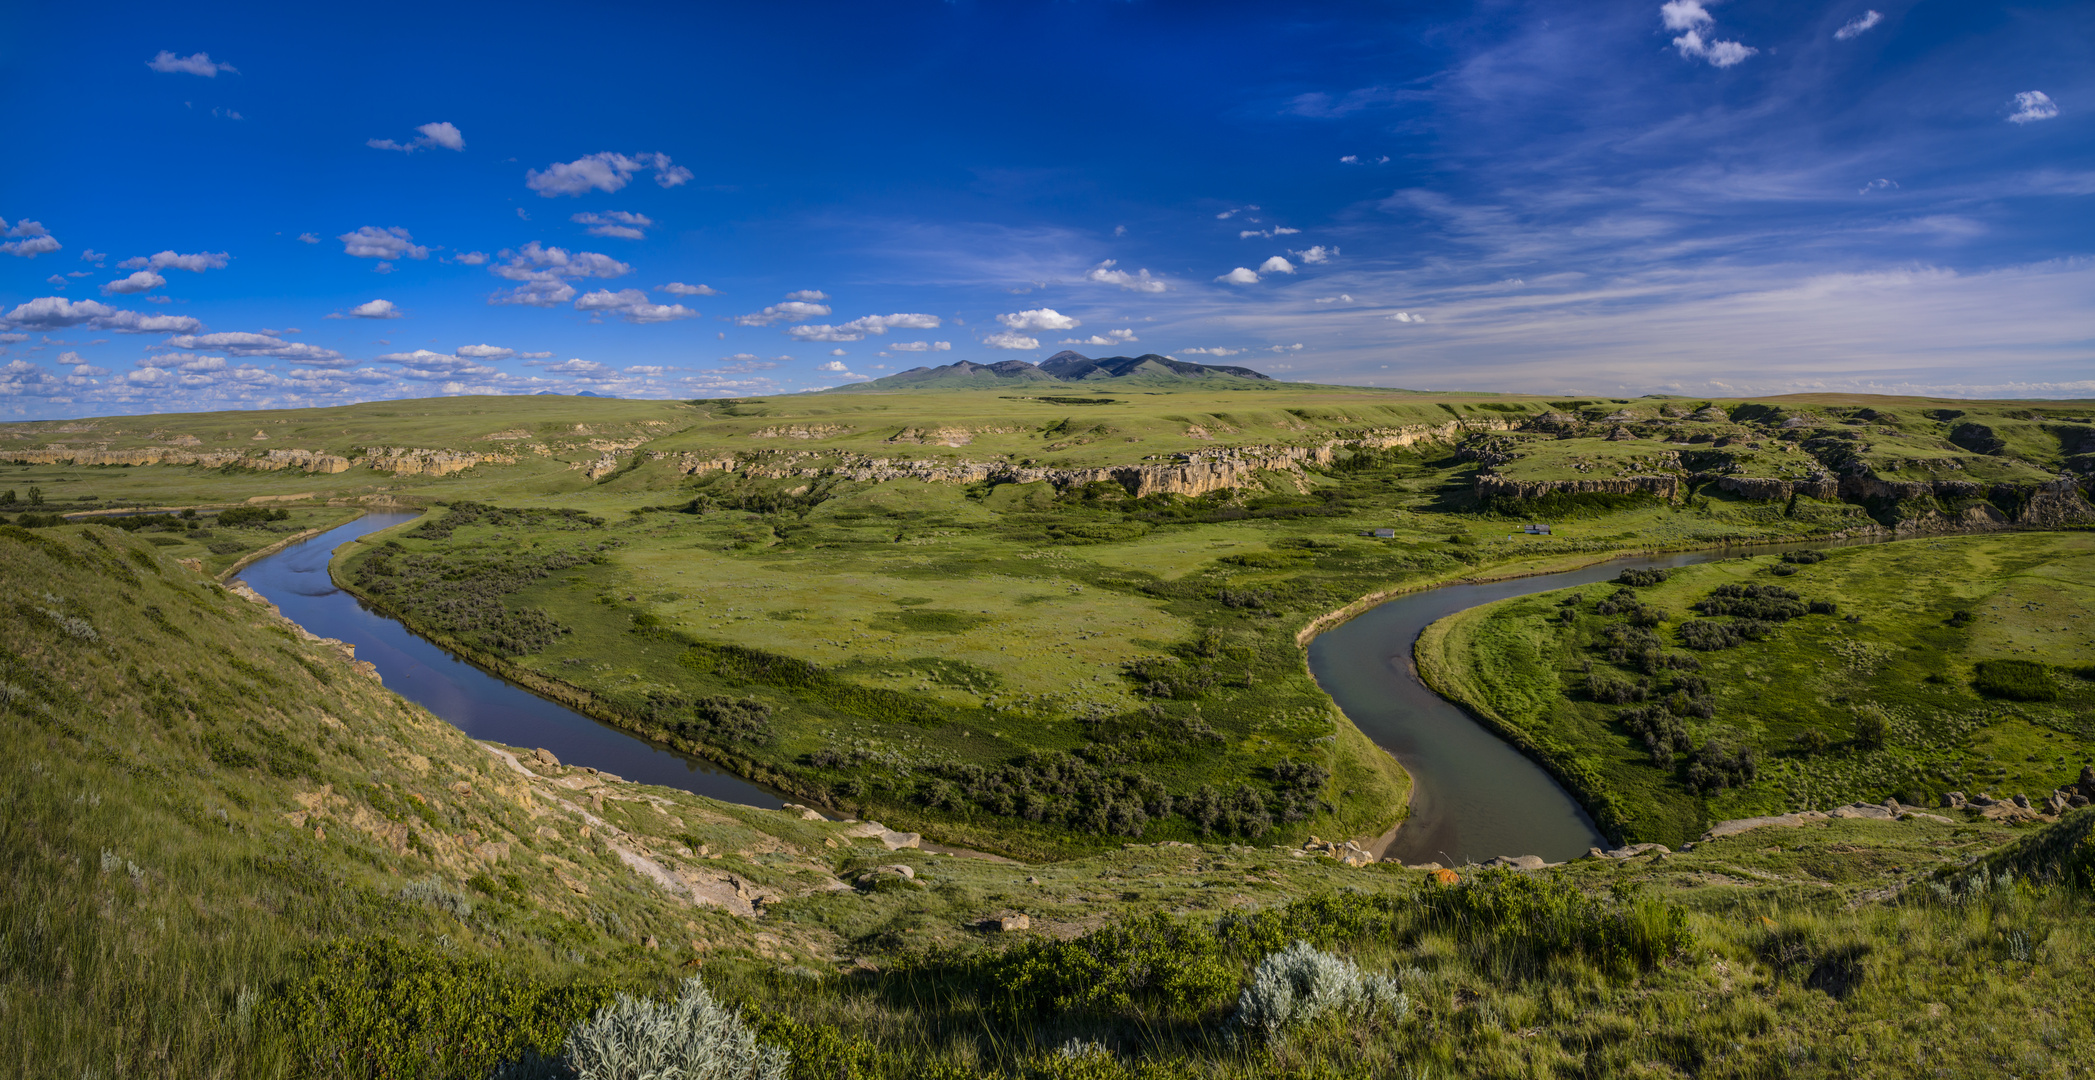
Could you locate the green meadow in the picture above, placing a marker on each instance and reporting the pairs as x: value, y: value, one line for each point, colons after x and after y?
x: 1885, y: 695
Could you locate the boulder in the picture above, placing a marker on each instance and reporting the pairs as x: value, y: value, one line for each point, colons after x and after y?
x: 2022, y: 801
x: 2087, y: 782
x: 545, y: 757
x: 1008, y: 923
x: 1863, y: 810
x: 1953, y: 801
x: 1517, y: 862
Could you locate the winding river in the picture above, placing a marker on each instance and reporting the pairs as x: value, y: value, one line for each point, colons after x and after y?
x: 1473, y: 797
x: 483, y: 706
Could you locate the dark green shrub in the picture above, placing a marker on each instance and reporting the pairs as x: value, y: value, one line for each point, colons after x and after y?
x: 242, y: 516
x: 2015, y: 680
x: 1643, y: 576
x: 1771, y: 603
x: 1811, y: 742
x: 1722, y: 763
x: 1156, y: 964
x: 384, y: 1008
x: 1803, y: 558
x: 1871, y: 729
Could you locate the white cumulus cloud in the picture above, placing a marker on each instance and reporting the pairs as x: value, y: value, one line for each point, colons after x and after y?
x: 1010, y: 339
x: 1691, y: 18
x: 198, y: 64
x: 2033, y: 105
x: 1407, y: 317
x: 1277, y: 230
x: 633, y: 306
x: 616, y: 223
x: 1139, y: 281
x: 440, y: 134
x: 372, y: 242
x: 1210, y: 352
x: 921, y: 346
x: 542, y: 270
x: 245, y: 344
x: 1315, y: 254
x: 486, y: 352
x: 1276, y: 265
x: 56, y: 313
x: 169, y: 260
x: 1242, y: 275
x: 678, y: 288
x: 790, y: 311
x: 1858, y: 25
x: 375, y: 309
x: 32, y: 239
x: 602, y: 172
x: 1038, y: 319
x: 142, y: 281
x: 807, y: 294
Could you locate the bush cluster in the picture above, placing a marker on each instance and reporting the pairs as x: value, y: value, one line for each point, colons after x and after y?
x: 1643, y: 576
x: 1625, y: 603
x: 462, y: 514
x: 2015, y: 680
x: 248, y: 516
x: 461, y: 594
x: 717, y: 719
x: 1768, y: 603
x: 1722, y: 763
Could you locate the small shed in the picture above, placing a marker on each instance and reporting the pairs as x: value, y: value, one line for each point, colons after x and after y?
x: 1384, y: 534
x: 1536, y: 530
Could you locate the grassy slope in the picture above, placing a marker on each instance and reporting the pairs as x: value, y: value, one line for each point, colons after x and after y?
x: 194, y: 794
x: 163, y: 895
x: 1519, y: 666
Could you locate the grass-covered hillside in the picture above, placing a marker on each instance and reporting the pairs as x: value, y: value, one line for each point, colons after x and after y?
x: 229, y: 853
x: 1769, y: 683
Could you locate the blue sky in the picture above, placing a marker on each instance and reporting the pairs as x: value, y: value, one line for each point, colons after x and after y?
x: 274, y: 205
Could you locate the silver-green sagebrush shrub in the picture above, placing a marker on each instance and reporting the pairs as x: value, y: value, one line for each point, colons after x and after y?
x: 691, y: 1038
x: 1300, y: 985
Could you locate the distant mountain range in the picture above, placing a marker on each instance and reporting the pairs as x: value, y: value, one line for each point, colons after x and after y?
x: 1064, y: 366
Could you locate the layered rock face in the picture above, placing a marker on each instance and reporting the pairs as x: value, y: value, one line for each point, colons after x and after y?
x: 400, y: 462
x: 1187, y: 474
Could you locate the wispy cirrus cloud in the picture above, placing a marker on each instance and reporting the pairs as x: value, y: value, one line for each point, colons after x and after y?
x: 1857, y: 26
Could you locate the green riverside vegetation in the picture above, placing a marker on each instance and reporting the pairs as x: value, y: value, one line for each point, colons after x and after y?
x: 231, y: 852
